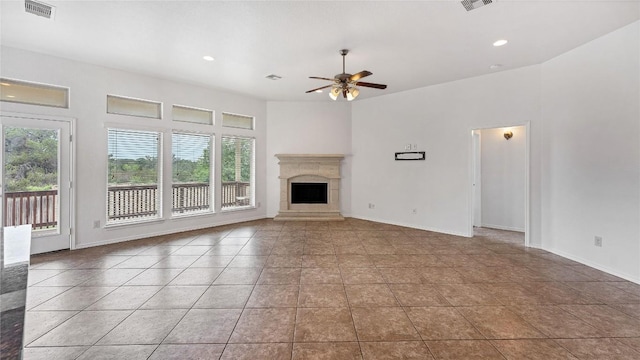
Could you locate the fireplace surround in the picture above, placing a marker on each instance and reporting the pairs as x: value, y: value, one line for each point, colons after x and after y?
x: 313, y: 170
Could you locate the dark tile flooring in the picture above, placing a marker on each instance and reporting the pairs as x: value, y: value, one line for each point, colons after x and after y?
x: 320, y: 290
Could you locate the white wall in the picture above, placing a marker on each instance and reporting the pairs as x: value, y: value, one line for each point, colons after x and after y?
x: 583, y: 110
x: 439, y: 119
x: 89, y: 86
x: 503, y: 178
x: 308, y: 128
x: 591, y: 166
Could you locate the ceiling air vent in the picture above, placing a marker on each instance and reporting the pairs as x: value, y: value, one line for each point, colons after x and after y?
x: 40, y: 9
x: 273, y: 77
x: 474, y: 4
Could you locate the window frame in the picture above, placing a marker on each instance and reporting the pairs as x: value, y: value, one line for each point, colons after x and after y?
x: 252, y: 180
x: 158, y: 103
x: 212, y: 182
x: 159, y: 186
x: 211, y: 112
x: 253, y: 121
x: 65, y: 89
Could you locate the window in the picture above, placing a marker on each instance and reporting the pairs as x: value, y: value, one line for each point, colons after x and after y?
x: 133, y: 107
x: 133, y: 175
x: 193, y: 115
x: 191, y: 190
x: 237, y: 121
x: 35, y: 94
x: 237, y: 172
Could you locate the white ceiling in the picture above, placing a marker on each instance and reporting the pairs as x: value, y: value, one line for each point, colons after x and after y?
x: 406, y: 44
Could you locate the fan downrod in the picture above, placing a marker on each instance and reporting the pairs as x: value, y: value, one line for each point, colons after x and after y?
x: 344, y: 76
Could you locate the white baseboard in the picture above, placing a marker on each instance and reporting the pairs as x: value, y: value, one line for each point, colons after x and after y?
x: 501, y: 227
x: 593, y: 265
x: 413, y: 226
x: 167, y: 232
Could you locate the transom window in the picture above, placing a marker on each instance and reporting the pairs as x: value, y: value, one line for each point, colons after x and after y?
x: 237, y: 121
x: 133, y: 107
x: 31, y: 93
x: 193, y: 115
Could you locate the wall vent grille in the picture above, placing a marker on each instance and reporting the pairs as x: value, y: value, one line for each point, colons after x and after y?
x: 40, y: 9
x: 474, y: 4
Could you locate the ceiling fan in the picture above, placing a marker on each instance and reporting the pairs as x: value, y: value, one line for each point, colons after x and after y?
x: 346, y: 83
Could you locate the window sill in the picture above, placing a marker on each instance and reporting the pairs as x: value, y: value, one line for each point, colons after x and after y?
x: 192, y: 215
x: 114, y: 226
x: 239, y: 208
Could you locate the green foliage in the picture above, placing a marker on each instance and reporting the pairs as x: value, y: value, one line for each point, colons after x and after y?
x: 229, y: 146
x: 31, y: 162
x: 187, y: 171
x: 139, y: 171
x: 143, y: 171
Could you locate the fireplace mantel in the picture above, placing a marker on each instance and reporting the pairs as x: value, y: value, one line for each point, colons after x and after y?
x: 310, y: 168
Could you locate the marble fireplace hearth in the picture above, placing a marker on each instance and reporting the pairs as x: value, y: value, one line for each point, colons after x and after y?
x: 310, y: 168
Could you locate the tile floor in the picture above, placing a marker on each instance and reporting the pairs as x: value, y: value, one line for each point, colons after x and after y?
x: 316, y: 290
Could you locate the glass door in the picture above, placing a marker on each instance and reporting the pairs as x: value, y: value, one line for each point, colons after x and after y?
x: 36, y: 180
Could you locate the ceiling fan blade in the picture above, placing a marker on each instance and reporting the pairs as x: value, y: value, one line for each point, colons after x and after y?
x: 360, y: 75
x: 320, y: 88
x: 371, y: 85
x: 321, y: 78
x: 344, y: 92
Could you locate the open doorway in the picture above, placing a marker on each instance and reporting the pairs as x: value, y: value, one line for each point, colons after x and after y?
x: 500, y: 183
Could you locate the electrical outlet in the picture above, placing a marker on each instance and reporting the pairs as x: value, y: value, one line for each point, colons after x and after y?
x: 414, y: 211
x: 372, y: 206
x: 96, y: 224
x: 407, y: 147
x: 414, y: 147
x: 597, y: 240
x: 259, y: 204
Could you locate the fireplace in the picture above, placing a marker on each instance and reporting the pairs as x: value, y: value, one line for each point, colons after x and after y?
x: 309, y: 187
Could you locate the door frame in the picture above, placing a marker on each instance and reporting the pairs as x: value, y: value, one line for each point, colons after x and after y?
x: 72, y: 162
x: 476, y: 186
x: 527, y: 178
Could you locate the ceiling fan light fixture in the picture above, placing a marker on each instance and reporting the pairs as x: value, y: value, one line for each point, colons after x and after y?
x: 345, y: 84
x: 352, y: 93
x: 334, y: 93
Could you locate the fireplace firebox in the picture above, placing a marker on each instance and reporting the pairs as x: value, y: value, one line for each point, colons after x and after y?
x: 308, y: 193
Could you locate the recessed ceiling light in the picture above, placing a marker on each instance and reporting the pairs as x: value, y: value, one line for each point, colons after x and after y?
x: 495, y: 66
x: 500, y: 42
x: 318, y: 91
x: 208, y: 58
x: 10, y: 96
x: 5, y: 84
